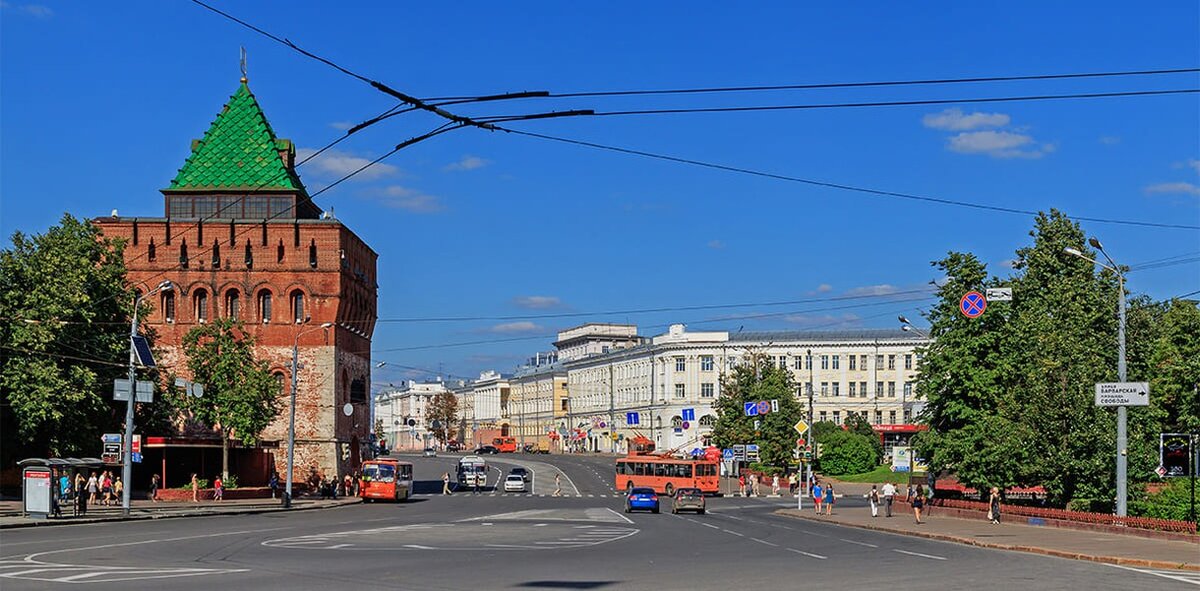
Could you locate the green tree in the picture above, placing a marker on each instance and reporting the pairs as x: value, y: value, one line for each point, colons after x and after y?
x: 443, y: 408
x: 846, y: 452
x: 241, y: 397
x: 856, y: 423
x: 758, y: 379
x: 1174, y: 360
x: 64, y: 338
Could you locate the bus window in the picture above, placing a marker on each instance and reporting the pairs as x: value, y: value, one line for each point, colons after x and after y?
x: 620, y: 468
x: 639, y: 469
x: 379, y: 473
x: 406, y: 472
x: 683, y: 471
x: 660, y: 469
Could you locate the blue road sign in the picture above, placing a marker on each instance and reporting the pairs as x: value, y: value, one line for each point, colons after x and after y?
x: 752, y: 409
x: 688, y: 414
x: 764, y: 407
x: 136, y: 457
x: 727, y: 454
x: 972, y: 304
x: 632, y: 418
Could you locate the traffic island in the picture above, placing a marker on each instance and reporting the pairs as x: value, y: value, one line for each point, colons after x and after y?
x: 11, y: 517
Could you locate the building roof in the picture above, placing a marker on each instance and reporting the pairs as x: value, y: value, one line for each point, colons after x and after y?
x: 856, y: 334
x: 239, y: 151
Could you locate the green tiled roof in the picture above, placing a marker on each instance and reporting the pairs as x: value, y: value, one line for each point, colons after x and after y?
x: 239, y: 151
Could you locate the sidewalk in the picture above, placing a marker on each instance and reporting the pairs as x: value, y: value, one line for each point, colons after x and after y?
x: 11, y: 517
x: 1065, y: 543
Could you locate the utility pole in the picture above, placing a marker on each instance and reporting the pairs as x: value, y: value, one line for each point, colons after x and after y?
x: 127, y: 443
x: 612, y: 417
x: 812, y: 431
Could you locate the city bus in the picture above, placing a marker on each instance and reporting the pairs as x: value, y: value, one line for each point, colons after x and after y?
x: 472, y: 472
x: 665, y: 475
x: 385, y: 479
x: 505, y: 445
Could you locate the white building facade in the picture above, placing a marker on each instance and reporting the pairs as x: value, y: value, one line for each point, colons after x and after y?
x: 403, y: 412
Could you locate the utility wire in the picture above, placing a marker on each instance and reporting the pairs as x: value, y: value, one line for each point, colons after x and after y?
x: 831, y: 185
x: 827, y: 85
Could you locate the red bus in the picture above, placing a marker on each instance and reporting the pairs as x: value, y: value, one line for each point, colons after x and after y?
x: 665, y: 475
x: 386, y: 479
x: 506, y: 445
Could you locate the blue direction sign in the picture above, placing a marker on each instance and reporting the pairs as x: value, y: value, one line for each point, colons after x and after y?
x: 688, y: 414
x: 972, y: 304
x: 752, y: 409
x: 632, y: 418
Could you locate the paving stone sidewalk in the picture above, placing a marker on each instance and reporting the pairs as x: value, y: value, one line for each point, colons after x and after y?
x: 1066, y: 543
x: 11, y: 516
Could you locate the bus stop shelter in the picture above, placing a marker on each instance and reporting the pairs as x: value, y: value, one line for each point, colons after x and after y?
x: 41, y: 494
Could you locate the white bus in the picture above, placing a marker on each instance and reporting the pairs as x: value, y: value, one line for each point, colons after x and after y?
x: 472, y: 472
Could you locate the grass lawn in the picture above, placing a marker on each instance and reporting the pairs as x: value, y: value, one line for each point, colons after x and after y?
x: 879, y: 475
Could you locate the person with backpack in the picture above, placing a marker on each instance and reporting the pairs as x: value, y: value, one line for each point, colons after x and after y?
x: 873, y: 497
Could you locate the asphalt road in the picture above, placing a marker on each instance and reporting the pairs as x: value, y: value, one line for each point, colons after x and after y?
x: 525, y: 541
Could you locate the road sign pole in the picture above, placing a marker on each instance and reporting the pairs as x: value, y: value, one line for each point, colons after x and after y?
x: 127, y: 442
x: 1122, y: 454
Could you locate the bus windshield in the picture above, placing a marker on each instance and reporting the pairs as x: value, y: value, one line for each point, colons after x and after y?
x: 379, y: 472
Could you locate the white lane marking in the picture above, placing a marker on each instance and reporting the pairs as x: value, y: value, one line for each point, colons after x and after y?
x: 859, y: 543
x: 731, y: 517
x: 710, y: 525
x: 627, y: 520
x: 1181, y: 576
x: 539, y: 525
x: 809, y: 554
x: 764, y: 542
x: 930, y: 556
x: 414, y: 547
x: 729, y: 531
x: 33, y: 556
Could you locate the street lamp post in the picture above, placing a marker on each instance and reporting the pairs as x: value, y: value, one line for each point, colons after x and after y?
x: 1122, y: 415
x: 127, y: 452
x: 287, y: 492
x: 812, y: 431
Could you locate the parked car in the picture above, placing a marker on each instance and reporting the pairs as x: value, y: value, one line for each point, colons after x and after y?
x: 514, y: 483
x: 687, y: 499
x: 454, y: 446
x: 430, y: 452
x: 641, y: 498
x: 522, y: 472
x: 486, y: 449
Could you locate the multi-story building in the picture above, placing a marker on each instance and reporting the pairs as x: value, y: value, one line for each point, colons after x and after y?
x: 403, y: 412
x: 595, y: 338
x: 538, y: 404
x: 644, y: 389
x: 240, y: 238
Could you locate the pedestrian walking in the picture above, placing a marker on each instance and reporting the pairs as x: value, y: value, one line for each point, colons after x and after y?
x: 873, y: 497
x: 818, y: 493
x: 918, y: 502
x: 154, y: 482
x: 558, y: 484
x: 793, y: 483
x: 754, y: 485
x: 195, y: 488
x: 347, y: 486
x: 775, y: 485
x: 742, y: 485
x: 274, y: 483
x: 828, y: 499
x: 445, y: 483
x: 994, y: 506
x: 106, y: 488
x: 64, y: 485
x: 889, y: 495
x: 93, y: 487
x: 118, y: 490
x: 218, y: 488
x: 80, y: 494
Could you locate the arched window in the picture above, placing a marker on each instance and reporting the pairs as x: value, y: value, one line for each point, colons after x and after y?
x: 677, y: 422
x: 282, y: 381
x: 264, y: 306
x: 233, y: 304
x: 200, y: 306
x: 168, y: 306
x: 298, y: 306
x: 708, y: 421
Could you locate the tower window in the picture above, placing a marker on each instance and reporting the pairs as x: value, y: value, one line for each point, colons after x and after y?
x: 200, y: 303
x: 298, y: 306
x: 264, y: 306
x: 233, y: 304
x: 168, y: 306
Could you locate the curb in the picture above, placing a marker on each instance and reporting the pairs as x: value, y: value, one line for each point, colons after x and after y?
x: 1144, y: 563
x: 254, y: 510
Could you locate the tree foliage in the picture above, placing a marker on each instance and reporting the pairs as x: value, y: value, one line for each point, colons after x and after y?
x: 1010, y: 395
x: 443, y: 408
x: 847, y: 452
x: 755, y: 380
x: 241, y: 397
x: 64, y: 338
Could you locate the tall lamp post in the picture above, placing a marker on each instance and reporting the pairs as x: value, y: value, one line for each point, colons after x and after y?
x: 127, y: 452
x: 1122, y: 444
x: 287, y: 492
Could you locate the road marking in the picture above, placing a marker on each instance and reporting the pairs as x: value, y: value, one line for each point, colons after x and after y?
x: 765, y: 542
x: 413, y: 546
x: 918, y: 554
x: 710, y: 525
x: 1181, y: 576
x: 627, y: 520
x: 729, y: 531
x: 809, y: 554
x: 539, y: 525
x: 859, y: 543
x: 731, y: 517
x: 33, y: 556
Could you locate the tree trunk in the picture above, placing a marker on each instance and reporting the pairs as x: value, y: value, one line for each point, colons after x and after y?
x: 224, y: 455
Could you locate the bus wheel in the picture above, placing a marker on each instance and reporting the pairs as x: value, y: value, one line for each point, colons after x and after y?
x: 669, y: 489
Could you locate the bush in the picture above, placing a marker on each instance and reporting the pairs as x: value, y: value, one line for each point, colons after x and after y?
x: 203, y: 482
x: 764, y: 469
x: 1172, y: 502
x: 847, y: 453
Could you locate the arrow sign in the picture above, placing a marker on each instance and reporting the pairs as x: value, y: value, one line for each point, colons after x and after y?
x: 801, y: 427
x: 688, y: 414
x: 751, y: 409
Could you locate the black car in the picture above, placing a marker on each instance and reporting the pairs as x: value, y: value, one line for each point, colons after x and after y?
x: 522, y: 472
x: 486, y: 449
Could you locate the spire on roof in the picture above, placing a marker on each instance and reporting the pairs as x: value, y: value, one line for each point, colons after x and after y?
x: 242, y: 63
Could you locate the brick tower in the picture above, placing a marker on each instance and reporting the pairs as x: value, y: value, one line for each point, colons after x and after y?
x: 241, y: 238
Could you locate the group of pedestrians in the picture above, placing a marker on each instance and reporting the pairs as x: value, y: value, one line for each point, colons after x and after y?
x: 822, y: 495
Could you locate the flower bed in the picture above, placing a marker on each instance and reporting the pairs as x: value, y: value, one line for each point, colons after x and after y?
x: 1146, y: 523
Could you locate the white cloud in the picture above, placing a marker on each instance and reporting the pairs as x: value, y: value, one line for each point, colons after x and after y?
x: 535, y: 302
x: 873, y: 290
x: 1110, y: 140
x: 516, y: 327
x: 716, y: 244
x: 411, y: 200
x: 34, y: 10
x: 339, y: 164
x: 1184, y: 188
x: 1191, y: 163
x: 956, y: 120
x: 341, y: 125
x: 467, y: 162
x: 997, y: 144
x: 824, y: 288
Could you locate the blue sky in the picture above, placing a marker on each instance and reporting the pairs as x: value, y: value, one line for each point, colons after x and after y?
x: 100, y: 101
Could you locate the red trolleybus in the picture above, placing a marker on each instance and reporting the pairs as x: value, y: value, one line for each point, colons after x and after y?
x: 386, y: 479
x: 665, y: 475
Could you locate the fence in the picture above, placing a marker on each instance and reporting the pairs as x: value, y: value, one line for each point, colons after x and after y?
x: 1147, y: 523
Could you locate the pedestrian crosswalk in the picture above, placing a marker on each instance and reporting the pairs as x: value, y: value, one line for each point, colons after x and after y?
x: 1191, y: 577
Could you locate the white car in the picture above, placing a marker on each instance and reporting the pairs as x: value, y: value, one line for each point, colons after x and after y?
x: 514, y: 483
